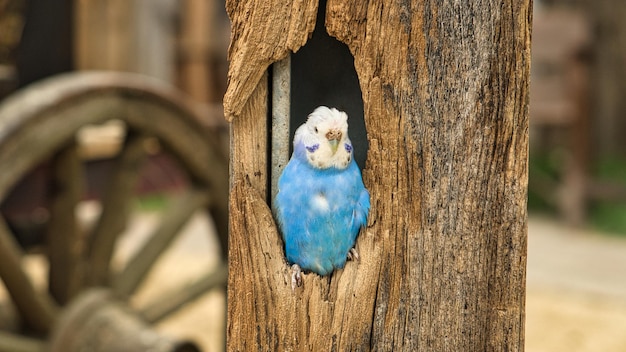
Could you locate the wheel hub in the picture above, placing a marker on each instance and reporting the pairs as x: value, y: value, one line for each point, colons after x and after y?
x: 96, y: 322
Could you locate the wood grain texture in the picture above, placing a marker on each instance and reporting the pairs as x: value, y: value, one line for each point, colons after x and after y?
x: 445, y: 88
x: 248, y: 141
x: 263, y: 32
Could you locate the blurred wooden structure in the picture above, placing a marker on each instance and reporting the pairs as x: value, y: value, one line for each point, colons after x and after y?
x: 176, y: 41
x: 117, y: 35
x: 195, y: 50
x: 609, y: 76
x: 35, y: 41
x: 11, y: 23
x: 560, y: 100
x: 180, y: 42
x: 121, y: 35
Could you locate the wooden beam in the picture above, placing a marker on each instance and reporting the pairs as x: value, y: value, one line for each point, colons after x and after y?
x: 445, y: 92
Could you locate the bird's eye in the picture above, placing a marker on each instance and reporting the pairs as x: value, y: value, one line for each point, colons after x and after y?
x: 316, y: 131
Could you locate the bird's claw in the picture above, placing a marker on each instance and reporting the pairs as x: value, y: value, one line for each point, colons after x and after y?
x: 296, y: 276
x: 353, y: 254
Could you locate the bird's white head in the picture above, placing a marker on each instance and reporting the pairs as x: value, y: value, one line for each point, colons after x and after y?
x: 324, y: 138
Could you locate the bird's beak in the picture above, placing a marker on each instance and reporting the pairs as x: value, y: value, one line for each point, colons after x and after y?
x: 333, y: 145
x: 333, y: 136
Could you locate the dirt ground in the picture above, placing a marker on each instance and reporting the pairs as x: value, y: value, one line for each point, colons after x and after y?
x: 576, y: 290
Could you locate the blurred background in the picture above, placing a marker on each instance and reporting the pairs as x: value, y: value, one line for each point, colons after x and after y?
x: 577, y: 189
x: 576, y: 287
x: 181, y: 42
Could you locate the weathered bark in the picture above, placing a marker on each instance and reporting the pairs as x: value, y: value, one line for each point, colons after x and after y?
x: 263, y: 31
x: 445, y: 91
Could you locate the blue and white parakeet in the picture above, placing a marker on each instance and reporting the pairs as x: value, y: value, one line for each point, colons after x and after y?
x: 321, y: 203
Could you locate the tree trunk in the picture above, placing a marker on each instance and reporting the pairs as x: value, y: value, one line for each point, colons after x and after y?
x: 445, y: 91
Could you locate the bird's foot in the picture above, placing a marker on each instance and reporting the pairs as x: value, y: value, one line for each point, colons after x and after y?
x: 353, y: 254
x: 296, y: 276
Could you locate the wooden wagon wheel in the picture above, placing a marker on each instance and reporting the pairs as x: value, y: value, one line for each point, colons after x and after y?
x: 39, y: 124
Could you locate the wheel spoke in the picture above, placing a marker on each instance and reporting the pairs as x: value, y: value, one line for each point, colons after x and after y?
x: 115, y: 208
x: 18, y: 343
x: 62, y: 237
x: 176, y: 216
x: 219, y: 213
x: 172, y: 301
x: 38, y: 311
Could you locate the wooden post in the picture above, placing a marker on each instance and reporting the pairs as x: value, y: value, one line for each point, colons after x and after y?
x: 445, y: 91
x: 130, y: 36
x: 197, y: 38
x: 105, y: 36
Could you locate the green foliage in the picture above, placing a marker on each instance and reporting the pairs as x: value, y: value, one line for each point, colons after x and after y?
x: 604, y: 215
x: 152, y: 202
x: 611, y: 168
x: 543, y: 166
x: 607, y: 216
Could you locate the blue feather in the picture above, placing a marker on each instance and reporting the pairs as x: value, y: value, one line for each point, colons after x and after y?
x: 320, y: 211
